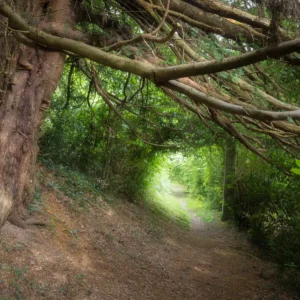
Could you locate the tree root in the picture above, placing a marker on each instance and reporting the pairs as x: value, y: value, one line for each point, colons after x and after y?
x: 16, y: 220
x: 36, y: 222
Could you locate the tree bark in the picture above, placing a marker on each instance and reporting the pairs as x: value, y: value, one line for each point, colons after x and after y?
x: 28, y: 79
x: 229, y: 179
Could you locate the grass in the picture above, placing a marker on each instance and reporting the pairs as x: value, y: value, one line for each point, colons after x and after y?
x: 160, y: 200
x: 203, y: 210
x: 168, y: 206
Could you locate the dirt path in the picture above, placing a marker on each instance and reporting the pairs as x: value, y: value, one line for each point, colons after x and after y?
x: 120, y: 253
x: 195, y: 222
x: 222, y: 261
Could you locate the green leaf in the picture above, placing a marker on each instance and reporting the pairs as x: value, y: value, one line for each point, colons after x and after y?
x: 298, y: 162
x: 296, y: 171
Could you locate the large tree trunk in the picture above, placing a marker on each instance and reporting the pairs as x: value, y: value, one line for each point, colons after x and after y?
x: 28, y: 79
x: 229, y: 179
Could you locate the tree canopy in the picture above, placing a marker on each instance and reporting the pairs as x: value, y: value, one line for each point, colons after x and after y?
x: 229, y: 62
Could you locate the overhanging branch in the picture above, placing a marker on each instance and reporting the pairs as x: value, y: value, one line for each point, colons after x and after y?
x: 156, y: 74
x: 199, y: 97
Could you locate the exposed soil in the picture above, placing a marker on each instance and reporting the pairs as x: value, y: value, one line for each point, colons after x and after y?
x: 118, y: 252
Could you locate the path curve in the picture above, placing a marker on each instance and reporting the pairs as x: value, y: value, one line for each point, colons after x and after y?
x: 223, y: 261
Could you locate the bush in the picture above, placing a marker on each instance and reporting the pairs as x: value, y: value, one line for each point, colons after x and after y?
x: 268, y: 207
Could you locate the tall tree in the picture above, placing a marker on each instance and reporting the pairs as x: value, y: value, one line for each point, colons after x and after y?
x: 29, y: 76
x: 215, y: 69
x: 229, y: 179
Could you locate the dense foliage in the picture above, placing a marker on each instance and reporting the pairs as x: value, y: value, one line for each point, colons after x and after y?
x: 201, y: 172
x: 267, y: 205
x: 82, y: 132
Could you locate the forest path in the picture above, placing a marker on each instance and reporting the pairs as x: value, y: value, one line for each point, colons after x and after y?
x: 178, y: 191
x: 222, y: 261
x: 120, y: 252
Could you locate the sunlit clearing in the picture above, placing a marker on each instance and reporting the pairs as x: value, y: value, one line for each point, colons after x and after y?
x: 180, y: 184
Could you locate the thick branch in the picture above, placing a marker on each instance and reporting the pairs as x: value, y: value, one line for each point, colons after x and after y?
x: 234, y: 62
x: 202, y: 98
x: 216, y: 23
x: 81, y: 49
x: 158, y: 75
x: 224, y: 10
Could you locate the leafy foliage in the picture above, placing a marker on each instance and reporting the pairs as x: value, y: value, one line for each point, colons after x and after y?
x: 158, y: 193
x: 89, y: 137
x: 267, y: 205
x: 201, y: 172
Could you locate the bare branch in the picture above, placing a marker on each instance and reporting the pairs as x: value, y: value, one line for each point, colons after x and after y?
x: 213, y: 102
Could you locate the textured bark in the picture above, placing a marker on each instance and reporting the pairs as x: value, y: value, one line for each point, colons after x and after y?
x: 229, y: 179
x: 224, y: 10
x: 33, y: 77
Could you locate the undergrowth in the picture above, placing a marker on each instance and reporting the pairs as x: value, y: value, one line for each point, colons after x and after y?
x: 168, y: 207
x: 203, y: 210
x: 82, y: 189
x: 158, y: 196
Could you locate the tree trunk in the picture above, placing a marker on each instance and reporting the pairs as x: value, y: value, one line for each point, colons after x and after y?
x: 28, y: 79
x: 229, y: 179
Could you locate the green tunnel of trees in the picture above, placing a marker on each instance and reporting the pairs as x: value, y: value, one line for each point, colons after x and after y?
x: 132, y: 81
x: 83, y: 133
